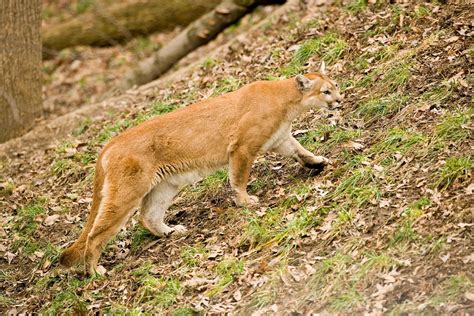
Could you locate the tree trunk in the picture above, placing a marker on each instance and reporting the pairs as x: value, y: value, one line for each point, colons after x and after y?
x: 20, y: 66
x: 196, y: 34
x: 121, y: 22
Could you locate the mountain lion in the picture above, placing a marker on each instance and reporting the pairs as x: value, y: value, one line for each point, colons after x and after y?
x: 147, y: 165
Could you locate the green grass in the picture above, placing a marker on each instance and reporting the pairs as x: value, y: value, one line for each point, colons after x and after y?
x: 421, y: 11
x: 344, y: 217
x: 158, y: 107
x: 388, y: 78
x: 226, y: 270
x: 7, y: 188
x: 63, y: 147
x: 397, y: 140
x: 327, y: 136
x: 329, y: 47
x: 184, y: 311
x: 359, y: 187
x: 139, y: 236
x: 346, y: 300
x: 383, y: 54
x: 259, y: 183
x: 311, y: 140
x: 404, y: 233
x: 85, y: 157
x: 227, y: 85
x: 436, y: 245
x: 84, y: 5
x: 437, y: 95
x: 397, y: 76
x: 25, y: 223
x: 452, y: 127
x: 416, y: 208
x: 161, y: 107
x: 68, y: 299
x: 213, y: 182
x: 259, y: 230
x: 452, y: 289
x: 83, y: 127
x: 455, y: 168
x: 356, y: 6
x: 377, y: 108
x: 110, y: 130
x: 117, y: 309
x: 60, y: 167
x: 159, y: 292
x: 343, y: 135
x: 338, y: 277
x: 192, y: 256
x: 5, y: 301
x: 209, y: 63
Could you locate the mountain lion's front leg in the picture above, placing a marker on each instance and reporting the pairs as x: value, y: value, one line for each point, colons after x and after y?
x: 240, y: 163
x: 290, y: 147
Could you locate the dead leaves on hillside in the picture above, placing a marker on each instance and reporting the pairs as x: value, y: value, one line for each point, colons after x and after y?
x: 435, y: 244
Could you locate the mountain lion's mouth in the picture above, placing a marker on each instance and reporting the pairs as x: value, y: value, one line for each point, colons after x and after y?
x: 335, y: 105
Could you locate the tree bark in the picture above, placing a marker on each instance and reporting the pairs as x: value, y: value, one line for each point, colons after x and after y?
x: 121, y: 22
x: 196, y: 34
x: 20, y: 66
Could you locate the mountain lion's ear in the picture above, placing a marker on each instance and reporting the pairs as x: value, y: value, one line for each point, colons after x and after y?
x: 322, y: 68
x: 303, y: 83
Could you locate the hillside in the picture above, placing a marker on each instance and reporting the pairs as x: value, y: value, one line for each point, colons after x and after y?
x: 386, y: 228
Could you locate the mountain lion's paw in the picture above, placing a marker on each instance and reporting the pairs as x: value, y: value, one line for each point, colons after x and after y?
x: 317, y: 162
x: 323, y: 160
x: 247, y: 201
x: 179, y: 229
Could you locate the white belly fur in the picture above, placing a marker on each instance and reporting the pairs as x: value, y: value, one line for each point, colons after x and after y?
x: 277, y: 137
x: 190, y: 177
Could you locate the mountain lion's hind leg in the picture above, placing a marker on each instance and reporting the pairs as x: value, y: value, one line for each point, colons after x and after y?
x: 118, y: 203
x: 290, y: 147
x: 153, y: 209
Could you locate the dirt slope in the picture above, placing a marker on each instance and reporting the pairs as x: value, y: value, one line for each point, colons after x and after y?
x: 388, y: 228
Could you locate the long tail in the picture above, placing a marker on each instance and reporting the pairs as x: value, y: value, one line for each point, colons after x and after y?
x: 75, y: 253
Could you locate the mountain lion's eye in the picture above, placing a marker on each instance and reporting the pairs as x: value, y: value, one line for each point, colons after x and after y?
x: 327, y: 92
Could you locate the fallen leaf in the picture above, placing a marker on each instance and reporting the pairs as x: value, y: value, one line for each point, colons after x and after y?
x: 470, y: 188
x: 382, y: 290
x: 452, y: 39
x: 328, y: 222
x: 468, y: 259
x: 237, y: 295
x: 10, y: 256
x: 444, y: 258
x: 462, y: 225
x: 50, y: 220
x: 101, y: 270
x: 469, y: 296
x: 353, y: 145
x: 384, y: 203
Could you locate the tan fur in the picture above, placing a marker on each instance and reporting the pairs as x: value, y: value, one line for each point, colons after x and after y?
x: 146, y: 165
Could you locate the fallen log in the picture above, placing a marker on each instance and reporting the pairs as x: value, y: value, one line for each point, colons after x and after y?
x: 196, y: 34
x: 104, y: 26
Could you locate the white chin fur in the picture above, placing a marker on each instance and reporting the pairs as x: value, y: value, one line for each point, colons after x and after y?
x: 314, y: 102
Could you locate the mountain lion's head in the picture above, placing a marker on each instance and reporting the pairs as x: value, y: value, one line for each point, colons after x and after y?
x: 318, y: 90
